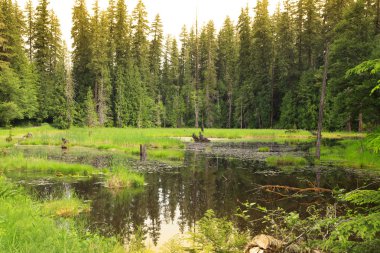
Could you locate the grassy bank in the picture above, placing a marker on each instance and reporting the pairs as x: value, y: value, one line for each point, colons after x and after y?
x: 25, y: 227
x: 109, y: 138
x: 19, y: 162
x: 117, y: 177
x: 351, y: 153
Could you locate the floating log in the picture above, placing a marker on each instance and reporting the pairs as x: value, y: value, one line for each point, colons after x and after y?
x: 295, y: 189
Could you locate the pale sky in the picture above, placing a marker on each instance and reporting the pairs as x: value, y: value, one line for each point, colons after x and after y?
x: 174, y: 13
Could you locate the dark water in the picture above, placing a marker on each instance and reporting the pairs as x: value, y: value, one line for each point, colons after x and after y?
x: 173, y: 200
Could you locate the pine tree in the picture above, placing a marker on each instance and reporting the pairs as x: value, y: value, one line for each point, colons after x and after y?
x: 155, y: 55
x: 244, y: 63
x: 18, y: 83
x: 227, y: 71
x: 208, y: 47
x: 122, y: 62
x: 185, y: 77
x: 29, y: 28
x: 352, y: 45
x: 81, y: 57
x: 99, y: 64
x: 261, y: 104
x: 140, y: 53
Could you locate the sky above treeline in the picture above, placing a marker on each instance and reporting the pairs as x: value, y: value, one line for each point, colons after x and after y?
x: 174, y: 13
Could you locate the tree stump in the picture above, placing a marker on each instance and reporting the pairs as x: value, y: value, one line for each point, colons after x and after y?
x: 143, y: 154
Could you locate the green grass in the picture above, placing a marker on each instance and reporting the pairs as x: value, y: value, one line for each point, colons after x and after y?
x: 108, y: 138
x: 162, y: 143
x: 19, y: 162
x: 351, y: 153
x: 283, y: 161
x: 24, y: 228
x: 124, y: 178
x: 68, y: 207
x: 116, y: 177
x: 263, y: 149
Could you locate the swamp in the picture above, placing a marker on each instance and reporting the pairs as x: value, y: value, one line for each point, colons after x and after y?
x: 240, y: 176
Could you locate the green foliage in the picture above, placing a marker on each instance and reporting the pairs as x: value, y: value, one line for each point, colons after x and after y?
x: 358, y: 231
x: 354, y: 231
x: 217, y: 235
x: 373, y: 142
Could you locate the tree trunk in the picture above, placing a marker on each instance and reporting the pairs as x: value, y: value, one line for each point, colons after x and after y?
x: 377, y: 16
x: 229, y: 109
x: 360, y: 127
x: 322, y: 102
x: 349, y: 126
x: 241, y: 115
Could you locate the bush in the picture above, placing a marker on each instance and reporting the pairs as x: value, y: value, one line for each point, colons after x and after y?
x: 217, y: 235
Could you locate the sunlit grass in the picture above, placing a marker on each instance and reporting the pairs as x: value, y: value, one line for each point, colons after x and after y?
x: 108, y: 138
x: 124, y: 178
x: 24, y: 228
x: 19, y: 162
x: 67, y: 207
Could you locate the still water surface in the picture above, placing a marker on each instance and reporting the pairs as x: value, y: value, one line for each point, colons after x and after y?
x: 174, y: 199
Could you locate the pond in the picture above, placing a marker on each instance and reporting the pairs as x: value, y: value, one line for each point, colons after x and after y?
x: 218, y: 176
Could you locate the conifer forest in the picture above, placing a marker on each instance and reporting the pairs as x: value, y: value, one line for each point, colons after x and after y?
x: 260, y: 71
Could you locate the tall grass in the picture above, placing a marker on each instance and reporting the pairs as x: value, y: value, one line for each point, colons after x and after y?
x: 19, y: 162
x: 351, y: 154
x: 25, y: 228
x: 124, y: 178
x: 67, y: 207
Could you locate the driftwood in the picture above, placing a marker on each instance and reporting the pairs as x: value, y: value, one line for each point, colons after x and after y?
x: 65, y: 143
x: 269, y: 244
x: 201, y: 138
x: 272, y: 188
x: 264, y: 243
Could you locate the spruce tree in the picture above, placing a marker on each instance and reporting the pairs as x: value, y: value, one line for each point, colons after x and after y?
x: 227, y: 72
x: 81, y: 57
x: 244, y: 63
x: 261, y: 89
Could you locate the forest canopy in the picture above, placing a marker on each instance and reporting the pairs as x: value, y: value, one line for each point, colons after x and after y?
x: 260, y: 71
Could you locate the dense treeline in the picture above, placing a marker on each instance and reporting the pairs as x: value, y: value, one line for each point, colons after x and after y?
x: 262, y: 71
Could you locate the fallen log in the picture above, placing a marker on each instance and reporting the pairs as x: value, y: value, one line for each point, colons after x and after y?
x: 295, y: 189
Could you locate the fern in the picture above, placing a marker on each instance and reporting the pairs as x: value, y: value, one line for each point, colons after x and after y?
x: 363, y: 197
